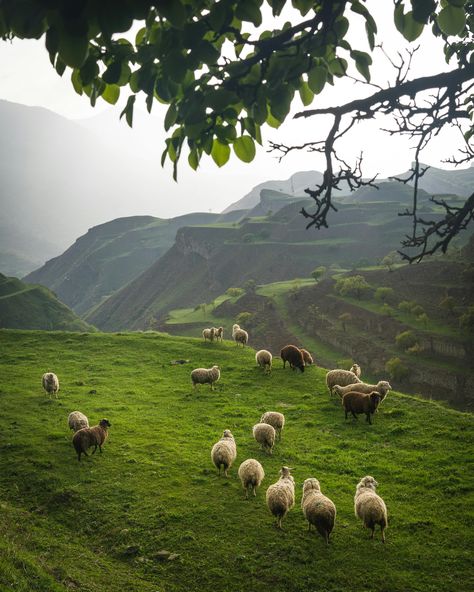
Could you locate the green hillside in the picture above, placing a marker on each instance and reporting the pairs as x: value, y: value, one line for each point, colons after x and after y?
x: 101, y: 524
x: 29, y: 306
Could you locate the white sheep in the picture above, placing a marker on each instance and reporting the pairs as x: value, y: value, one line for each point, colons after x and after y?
x: 51, y: 384
x: 281, y: 495
x: 77, y: 420
x: 241, y: 336
x: 264, y: 360
x: 356, y: 369
x: 382, y: 387
x: 318, y: 509
x: 340, y: 377
x: 370, y: 507
x: 224, y: 452
x: 205, y: 376
x: 275, y: 419
x: 209, y: 334
x: 251, y: 475
x: 265, y: 435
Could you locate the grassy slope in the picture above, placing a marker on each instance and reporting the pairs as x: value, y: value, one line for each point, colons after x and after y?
x: 66, y: 525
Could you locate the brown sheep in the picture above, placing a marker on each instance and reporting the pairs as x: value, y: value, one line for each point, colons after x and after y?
x: 292, y: 355
x: 87, y: 437
x: 361, y: 403
x: 307, y: 357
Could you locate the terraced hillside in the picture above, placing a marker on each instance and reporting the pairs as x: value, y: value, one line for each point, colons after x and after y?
x: 29, y: 306
x: 150, y: 513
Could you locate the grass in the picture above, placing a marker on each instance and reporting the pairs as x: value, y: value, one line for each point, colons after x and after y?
x: 99, y: 525
x: 198, y: 315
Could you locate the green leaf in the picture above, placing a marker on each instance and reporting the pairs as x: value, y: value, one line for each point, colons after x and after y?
x: 76, y: 81
x: 306, y: 94
x: 422, y: 9
x: 272, y: 121
x: 280, y: 102
x: 128, y: 111
x: 277, y: 6
x: 111, y: 93
x: 193, y: 159
x: 171, y: 116
x: 73, y: 49
x: 341, y: 27
x: 52, y: 43
x: 317, y: 78
x: 304, y: 6
x: 452, y: 20
x: 410, y: 28
x: 220, y: 153
x: 244, y: 148
x: 363, y: 61
x: 60, y: 66
x: 112, y: 74
x: 173, y: 11
x: 249, y: 10
x: 337, y: 66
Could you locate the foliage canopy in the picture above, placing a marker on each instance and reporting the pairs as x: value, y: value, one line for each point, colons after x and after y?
x: 223, y: 77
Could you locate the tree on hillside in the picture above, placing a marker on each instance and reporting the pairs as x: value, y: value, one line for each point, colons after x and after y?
x: 354, y: 285
x: 390, y: 260
x: 318, y: 272
x: 218, y: 98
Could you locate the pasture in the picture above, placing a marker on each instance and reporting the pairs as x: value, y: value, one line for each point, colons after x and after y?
x: 104, y: 523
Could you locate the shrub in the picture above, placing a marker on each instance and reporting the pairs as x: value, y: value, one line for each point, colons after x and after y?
x: 396, y: 369
x: 318, y: 272
x: 355, y: 285
x: 233, y: 292
x: 405, y: 340
x: 466, y: 320
x: 423, y: 318
x: 417, y: 310
x: 243, y: 318
x: 415, y: 349
x: 384, y: 294
x: 250, y: 286
x: 387, y: 310
x: 406, y: 305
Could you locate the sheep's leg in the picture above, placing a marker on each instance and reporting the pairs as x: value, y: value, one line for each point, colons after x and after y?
x: 254, y: 491
x: 354, y: 415
x: 383, y: 534
x: 95, y: 448
x: 100, y: 448
x: 368, y: 418
x: 327, y: 538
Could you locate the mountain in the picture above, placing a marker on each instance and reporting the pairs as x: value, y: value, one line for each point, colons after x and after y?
x: 205, y: 261
x: 27, y: 306
x: 437, y: 181
x: 109, y: 256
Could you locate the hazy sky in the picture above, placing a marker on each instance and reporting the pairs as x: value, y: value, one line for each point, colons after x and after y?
x: 26, y: 76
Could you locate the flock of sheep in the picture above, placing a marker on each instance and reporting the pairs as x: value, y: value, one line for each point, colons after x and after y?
x: 356, y: 396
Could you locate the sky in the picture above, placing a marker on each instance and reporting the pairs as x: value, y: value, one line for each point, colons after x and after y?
x: 27, y: 77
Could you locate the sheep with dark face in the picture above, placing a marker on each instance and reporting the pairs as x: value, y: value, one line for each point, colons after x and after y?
x: 318, y: 509
x: 219, y: 333
x: 370, y: 507
x: 294, y: 357
x: 51, y: 384
x: 87, y: 437
x: 355, y: 403
x: 224, y: 452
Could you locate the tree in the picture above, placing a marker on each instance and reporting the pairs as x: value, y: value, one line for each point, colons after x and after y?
x: 354, y: 285
x: 318, y: 273
x: 448, y: 303
x: 217, y: 100
x: 424, y: 319
x: 390, y: 260
x: 384, y: 294
x: 396, y: 369
x: 243, y: 318
x: 234, y: 292
x: 250, y: 286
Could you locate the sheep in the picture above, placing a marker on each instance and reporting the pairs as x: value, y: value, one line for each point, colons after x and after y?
x: 209, y: 334
x: 77, y: 420
x: 264, y: 360
x: 361, y: 403
x: 51, y: 384
x: 87, y: 437
x: 318, y: 509
x: 205, y: 375
x: 275, y: 419
x: 239, y: 335
x: 281, y: 495
x: 251, y: 475
x: 370, y: 507
x: 307, y: 357
x: 292, y: 355
x: 382, y: 387
x: 224, y: 452
x: 219, y: 333
x: 340, y: 377
x: 265, y: 435
x: 356, y: 369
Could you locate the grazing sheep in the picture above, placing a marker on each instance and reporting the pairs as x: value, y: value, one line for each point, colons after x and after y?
x: 361, y: 403
x: 275, y: 419
x: 292, y: 355
x: 318, y: 509
x: 382, y: 387
x: 265, y: 435
x: 307, y: 357
x: 205, y: 376
x: 241, y: 336
x: 235, y: 327
x: 51, y: 384
x: 356, y: 369
x: 281, y: 495
x: 219, y: 333
x: 209, y: 334
x: 87, y: 437
x: 340, y: 377
x: 77, y: 420
x: 224, y: 452
x: 370, y: 507
x: 251, y: 474
x: 264, y: 360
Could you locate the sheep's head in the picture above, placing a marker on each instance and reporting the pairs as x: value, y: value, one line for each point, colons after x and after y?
x: 228, y: 434
x: 285, y: 472
x: 311, y: 484
x: 368, y: 482
x: 355, y: 369
x: 338, y: 390
x: 105, y: 423
x: 383, y: 387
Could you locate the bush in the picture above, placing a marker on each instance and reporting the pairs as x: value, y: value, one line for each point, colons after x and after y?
x: 417, y: 310
x: 384, y: 294
x: 396, y: 369
x: 466, y: 320
x: 233, y: 292
x: 405, y: 340
x: 355, y: 285
x: 387, y: 310
x: 406, y: 305
x: 318, y: 272
x: 243, y: 318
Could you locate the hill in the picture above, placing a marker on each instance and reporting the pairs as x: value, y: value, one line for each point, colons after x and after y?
x: 102, y: 524
x: 205, y: 261
x: 27, y: 306
x: 109, y: 256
